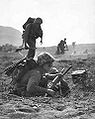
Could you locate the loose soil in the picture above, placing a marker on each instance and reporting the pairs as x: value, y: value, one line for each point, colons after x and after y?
x: 79, y: 104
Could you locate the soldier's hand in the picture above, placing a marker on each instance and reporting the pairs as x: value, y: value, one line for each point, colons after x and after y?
x: 41, y: 42
x: 51, y: 92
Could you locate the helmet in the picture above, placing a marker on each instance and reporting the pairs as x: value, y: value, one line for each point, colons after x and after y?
x: 39, y: 20
x: 45, y: 57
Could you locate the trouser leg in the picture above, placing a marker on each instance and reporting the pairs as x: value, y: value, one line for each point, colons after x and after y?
x: 31, y: 53
x: 32, y: 45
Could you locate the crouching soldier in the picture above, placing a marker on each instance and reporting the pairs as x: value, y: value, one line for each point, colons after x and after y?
x: 35, y: 81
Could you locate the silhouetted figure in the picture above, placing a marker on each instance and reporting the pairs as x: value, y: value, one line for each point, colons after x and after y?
x: 32, y: 31
x: 58, y: 49
x: 73, y: 45
x: 65, y: 44
x: 62, y: 46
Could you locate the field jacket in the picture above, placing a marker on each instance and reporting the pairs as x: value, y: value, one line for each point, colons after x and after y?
x: 33, y: 83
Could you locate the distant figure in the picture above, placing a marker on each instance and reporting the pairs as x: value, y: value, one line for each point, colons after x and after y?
x: 65, y: 44
x: 32, y: 31
x: 73, y: 45
x: 62, y: 46
x: 58, y: 49
x: 86, y: 51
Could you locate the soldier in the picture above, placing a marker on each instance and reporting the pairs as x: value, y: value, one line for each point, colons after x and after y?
x: 60, y: 47
x: 74, y: 45
x: 35, y: 81
x: 65, y: 44
x: 29, y: 21
x: 32, y: 31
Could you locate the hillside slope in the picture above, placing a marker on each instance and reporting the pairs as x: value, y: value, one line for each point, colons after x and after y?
x: 10, y: 35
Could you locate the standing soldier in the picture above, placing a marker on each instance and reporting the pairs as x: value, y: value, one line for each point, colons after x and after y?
x: 32, y: 31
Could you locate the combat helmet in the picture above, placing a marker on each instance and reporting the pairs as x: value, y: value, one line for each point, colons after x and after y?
x: 39, y: 20
x: 44, y: 58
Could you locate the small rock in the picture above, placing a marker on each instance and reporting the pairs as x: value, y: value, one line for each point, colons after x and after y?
x: 60, y: 108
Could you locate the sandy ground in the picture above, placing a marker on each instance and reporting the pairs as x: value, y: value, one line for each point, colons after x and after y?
x: 79, y: 104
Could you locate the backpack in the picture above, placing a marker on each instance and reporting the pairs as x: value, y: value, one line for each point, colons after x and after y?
x: 30, y: 20
x: 34, y: 31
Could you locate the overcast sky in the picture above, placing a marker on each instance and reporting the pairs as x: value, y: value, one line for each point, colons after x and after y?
x: 73, y: 19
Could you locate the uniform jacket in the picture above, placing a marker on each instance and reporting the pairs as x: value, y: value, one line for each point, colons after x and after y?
x: 33, y: 82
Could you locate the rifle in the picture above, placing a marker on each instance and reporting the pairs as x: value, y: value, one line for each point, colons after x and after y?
x: 57, y: 78
x: 20, y: 49
x: 9, y: 70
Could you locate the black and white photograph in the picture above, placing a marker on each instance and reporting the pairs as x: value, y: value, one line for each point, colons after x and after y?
x: 47, y: 59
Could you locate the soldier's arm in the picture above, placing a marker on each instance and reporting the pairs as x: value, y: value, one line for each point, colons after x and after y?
x: 33, y: 83
x: 41, y: 35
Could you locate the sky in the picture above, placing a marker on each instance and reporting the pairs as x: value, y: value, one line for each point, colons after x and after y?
x: 71, y: 19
